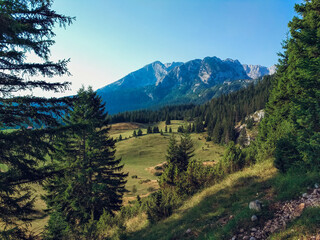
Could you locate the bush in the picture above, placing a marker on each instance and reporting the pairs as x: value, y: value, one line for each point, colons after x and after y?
x: 134, y: 176
x: 158, y: 168
x: 150, y: 189
x: 158, y: 174
x: 233, y: 159
x: 250, y: 123
x: 161, y: 204
x: 134, y: 189
x: 144, y: 181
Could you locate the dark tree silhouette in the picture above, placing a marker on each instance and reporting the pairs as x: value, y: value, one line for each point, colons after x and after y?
x: 26, y: 26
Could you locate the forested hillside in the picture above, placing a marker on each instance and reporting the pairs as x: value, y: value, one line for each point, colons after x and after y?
x: 219, y: 116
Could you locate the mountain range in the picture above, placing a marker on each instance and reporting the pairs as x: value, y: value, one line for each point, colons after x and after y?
x: 195, y: 81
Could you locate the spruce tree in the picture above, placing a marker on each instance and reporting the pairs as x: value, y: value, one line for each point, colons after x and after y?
x: 293, y: 111
x: 178, y: 158
x: 26, y: 27
x: 139, y: 132
x: 168, y: 121
x: 155, y: 130
x: 92, y: 181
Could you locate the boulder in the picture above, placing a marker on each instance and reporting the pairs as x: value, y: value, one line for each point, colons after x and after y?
x: 254, y: 218
x: 255, y: 205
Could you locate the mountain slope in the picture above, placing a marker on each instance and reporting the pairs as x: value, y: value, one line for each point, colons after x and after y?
x: 195, y: 81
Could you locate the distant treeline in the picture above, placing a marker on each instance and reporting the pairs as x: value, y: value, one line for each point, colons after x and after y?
x: 219, y: 115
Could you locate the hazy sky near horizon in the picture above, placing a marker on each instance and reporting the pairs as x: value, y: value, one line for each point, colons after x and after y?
x: 111, y: 38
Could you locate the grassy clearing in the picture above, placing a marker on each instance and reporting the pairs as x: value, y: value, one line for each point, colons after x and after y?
x: 141, y: 154
x: 216, y: 212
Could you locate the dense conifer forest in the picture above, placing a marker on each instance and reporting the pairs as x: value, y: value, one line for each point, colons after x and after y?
x: 219, y: 116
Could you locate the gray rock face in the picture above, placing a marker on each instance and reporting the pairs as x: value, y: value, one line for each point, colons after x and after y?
x: 255, y: 205
x: 257, y: 71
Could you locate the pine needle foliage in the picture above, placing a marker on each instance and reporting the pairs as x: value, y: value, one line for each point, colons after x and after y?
x: 92, y: 181
x: 26, y: 27
x: 291, y: 129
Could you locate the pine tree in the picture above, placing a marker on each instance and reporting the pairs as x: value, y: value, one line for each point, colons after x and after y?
x: 92, y: 181
x: 166, y: 129
x: 134, y: 134
x: 149, y: 130
x: 139, y: 132
x: 178, y: 157
x: 242, y: 140
x: 199, y: 127
x: 193, y: 129
x: 170, y: 130
x: 26, y: 27
x: 155, y: 130
x: 120, y: 138
x: 168, y: 121
x: 293, y: 111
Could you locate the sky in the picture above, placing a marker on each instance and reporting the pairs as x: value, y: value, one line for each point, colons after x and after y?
x: 111, y: 38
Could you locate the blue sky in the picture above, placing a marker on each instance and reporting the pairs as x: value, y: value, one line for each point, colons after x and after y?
x: 112, y: 38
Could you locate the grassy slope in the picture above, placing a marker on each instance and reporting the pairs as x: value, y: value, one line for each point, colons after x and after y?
x: 138, y: 154
x: 141, y: 154
x: 221, y: 210
x: 205, y: 210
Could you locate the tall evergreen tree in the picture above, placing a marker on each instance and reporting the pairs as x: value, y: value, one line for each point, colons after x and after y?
x: 178, y: 158
x: 26, y: 27
x: 139, y: 132
x: 92, y: 180
x: 168, y: 121
x: 293, y: 112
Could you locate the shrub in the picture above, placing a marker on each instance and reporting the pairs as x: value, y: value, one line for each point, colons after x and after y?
x: 158, y: 174
x: 144, y: 181
x: 134, y: 189
x: 134, y: 176
x: 233, y: 159
x: 161, y: 204
x: 250, y: 123
x: 158, y: 168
